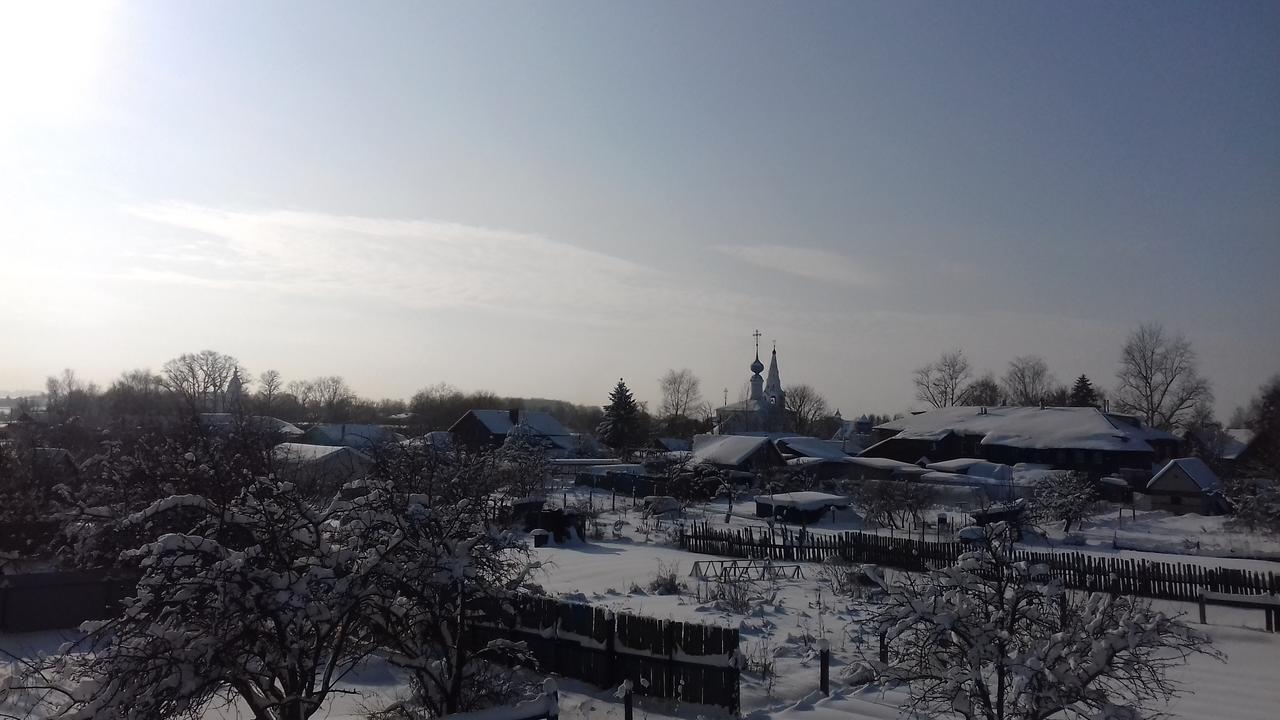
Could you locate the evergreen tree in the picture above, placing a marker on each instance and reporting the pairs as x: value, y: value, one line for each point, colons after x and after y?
x: 1083, y: 394
x: 621, y: 428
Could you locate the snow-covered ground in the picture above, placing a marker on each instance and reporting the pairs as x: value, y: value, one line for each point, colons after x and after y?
x: 786, y: 619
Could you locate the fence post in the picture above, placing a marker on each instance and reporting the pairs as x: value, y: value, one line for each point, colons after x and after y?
x: 884, y: 647
x: 1202, y: 620
x: 824, y: 656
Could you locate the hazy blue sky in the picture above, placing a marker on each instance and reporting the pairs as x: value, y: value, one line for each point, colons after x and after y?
x: 537, y: 198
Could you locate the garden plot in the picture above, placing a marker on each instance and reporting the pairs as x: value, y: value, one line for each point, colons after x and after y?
x: 787, y: 616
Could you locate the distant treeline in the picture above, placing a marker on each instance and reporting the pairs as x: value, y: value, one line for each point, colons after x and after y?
x: 209, y: 381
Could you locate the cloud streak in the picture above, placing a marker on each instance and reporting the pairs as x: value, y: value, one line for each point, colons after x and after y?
x: 417, y: 264
x: 807, y: 263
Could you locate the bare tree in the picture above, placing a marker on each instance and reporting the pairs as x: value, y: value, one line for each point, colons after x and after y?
x: 808, y: 405
x: 270, y: 386
x: 67, y: 395
x: 137, y: 393
x: 334, y: 396
x: 681, y: 394
x: 1027, y: 381
x: 1159, y: 380
x: 944, y: 383
x: 201, y: 379
x: 985, y: 391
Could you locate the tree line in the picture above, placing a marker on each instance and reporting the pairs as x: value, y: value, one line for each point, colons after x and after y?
x: 1158, y: 380
x: 211, y: 381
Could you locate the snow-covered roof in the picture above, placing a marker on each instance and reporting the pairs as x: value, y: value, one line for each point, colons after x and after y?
x: 974, y: 468
x: 1079, y: 428
x: 725, y: 449
x: 886, y: 464
x: 1237, y: 440
x: 350, y: 434
x: 948, y: 478
x: 805, y: 500
x: 1194, y: 468
x: 302, y: 452
x: 670, y: 443
x: 265, y: 423
x: 499, y: 422
x: 812, y: 447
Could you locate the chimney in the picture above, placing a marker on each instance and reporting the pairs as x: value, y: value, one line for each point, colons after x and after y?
x: 514, y: 415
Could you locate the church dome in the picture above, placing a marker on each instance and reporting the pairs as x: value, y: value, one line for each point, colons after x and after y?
x: 757, y: 367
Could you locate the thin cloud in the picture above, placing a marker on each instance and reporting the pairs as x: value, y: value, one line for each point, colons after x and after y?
x: 808, y: 263
x: 417, y: 264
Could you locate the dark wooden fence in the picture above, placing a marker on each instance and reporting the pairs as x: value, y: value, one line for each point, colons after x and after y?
x: 55, y: 600
x: 662, y: 658
x: 1081, y: 571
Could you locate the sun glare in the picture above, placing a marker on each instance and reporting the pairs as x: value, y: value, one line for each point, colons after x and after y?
x: 50, y: 56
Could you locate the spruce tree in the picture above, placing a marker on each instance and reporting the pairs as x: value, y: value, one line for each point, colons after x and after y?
x: 1083, y: 394
x: 621, y: 427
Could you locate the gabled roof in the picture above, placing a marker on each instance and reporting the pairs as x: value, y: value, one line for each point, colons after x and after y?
x: 728, y: 450
x: 499, y: 422
x: 264, y: 423
x: 1194, y: 468
x: 812, y: 447
x: 672, y: 444
x: 1236, y: 442
x: 350, y: 434
x: 1076, y: 428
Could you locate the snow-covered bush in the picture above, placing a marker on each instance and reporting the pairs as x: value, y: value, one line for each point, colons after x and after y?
x: 262, y: 599
x: 1255, y: 502
x: 446, y: 576
x: 996, y: 639
x: 1066, y: 496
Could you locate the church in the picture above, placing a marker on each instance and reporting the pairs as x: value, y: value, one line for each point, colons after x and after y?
x: 765, y: 409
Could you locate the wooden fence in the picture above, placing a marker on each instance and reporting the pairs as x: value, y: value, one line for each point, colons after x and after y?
x: 662, y: 658
x: 55, y: 600
x: 1081, y: 571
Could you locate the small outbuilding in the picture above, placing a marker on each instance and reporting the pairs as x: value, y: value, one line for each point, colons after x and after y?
x: 1185, y: 485
x: 801, y: 508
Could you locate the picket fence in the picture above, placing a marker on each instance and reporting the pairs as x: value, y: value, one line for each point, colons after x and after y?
x: 662, y: 658
x: 1081, y: 571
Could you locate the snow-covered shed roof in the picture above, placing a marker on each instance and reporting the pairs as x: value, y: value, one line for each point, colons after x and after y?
x: 975, y: 468
x: 499, y: 422
x: 804, y: 500
x: 673, y: 444
x: 350, y: 434
x: 303, y: 452
x: 1193, y: 468
x: 265, y: 423
x: 949, y: 478
x: 886, y: 464
x: 728, y: 450
x: 812, y: 447
x: 1079, y: 428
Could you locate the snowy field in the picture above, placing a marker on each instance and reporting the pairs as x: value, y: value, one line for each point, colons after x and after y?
x: 784, y: 621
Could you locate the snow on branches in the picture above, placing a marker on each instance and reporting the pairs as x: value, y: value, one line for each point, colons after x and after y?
x: 274, y: 595
x: 995, y: 639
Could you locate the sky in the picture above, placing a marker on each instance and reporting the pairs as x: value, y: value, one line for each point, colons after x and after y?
x: 538, y: 198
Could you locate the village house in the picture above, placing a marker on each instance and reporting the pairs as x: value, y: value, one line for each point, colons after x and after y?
x: 479, y: 430
x: 1067, y: 438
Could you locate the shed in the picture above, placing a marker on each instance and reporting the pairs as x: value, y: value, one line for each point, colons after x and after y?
x: 1185, y: 485
x: 802, y: 508
x: 319, y: 467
